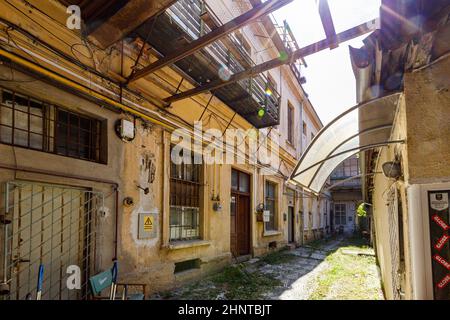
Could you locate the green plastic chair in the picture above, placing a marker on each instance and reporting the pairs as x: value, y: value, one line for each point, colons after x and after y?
x: 108, y: 279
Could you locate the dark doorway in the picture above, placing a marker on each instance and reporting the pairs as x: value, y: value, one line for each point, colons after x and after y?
x: 291, y: 224
x: 240, y: 213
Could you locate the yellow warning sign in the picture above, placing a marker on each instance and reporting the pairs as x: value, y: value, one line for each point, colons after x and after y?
x: 148, y: 223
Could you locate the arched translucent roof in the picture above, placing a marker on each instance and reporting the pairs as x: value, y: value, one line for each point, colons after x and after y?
x: 361, y: 127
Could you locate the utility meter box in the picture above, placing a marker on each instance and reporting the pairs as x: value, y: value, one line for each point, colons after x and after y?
x: 266, y: 215
x: 127, y: 129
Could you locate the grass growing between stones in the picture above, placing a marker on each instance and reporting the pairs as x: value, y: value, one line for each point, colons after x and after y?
x: 278, y: 257
x: 238, y: 284
x: 349, y: 277
x: 231, y: 283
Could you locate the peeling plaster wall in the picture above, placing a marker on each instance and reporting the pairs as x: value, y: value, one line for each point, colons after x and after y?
x: 145, y: 160
x: 422, y: 119
x: 22, y: 157
x: 428, y: 115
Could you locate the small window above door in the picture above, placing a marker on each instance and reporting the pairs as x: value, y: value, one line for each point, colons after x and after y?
x: 240, y: 181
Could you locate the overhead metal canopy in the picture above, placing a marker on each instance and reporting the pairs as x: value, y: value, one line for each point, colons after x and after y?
x: 360, y: 128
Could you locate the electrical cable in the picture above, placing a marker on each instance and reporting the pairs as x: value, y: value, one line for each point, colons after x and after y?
x: 72, y: 49
x: 40, y: 25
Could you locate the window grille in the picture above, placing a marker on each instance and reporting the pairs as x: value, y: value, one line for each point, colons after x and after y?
x: 50, y: 225
x: 33, y: 124
x: 77, y: 136
x: 185, y: 197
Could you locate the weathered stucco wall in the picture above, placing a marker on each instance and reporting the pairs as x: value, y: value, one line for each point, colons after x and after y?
x: 428, y: 116
x: 423, y: 120
x: 130, y: 164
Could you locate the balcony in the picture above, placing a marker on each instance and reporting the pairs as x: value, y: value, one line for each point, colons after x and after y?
x: 188, y: 20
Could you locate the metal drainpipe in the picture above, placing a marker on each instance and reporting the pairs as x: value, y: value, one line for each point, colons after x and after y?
x: 77, y: 177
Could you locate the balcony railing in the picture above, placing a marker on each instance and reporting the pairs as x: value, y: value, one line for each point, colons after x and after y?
x: 184, y: 21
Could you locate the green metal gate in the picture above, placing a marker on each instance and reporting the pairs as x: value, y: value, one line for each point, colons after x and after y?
x: 51, y: 225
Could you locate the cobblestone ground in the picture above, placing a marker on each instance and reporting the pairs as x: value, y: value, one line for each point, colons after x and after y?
x: 326, y: 269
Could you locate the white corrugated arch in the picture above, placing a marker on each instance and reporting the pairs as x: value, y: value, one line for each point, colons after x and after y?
x: 360, y: 128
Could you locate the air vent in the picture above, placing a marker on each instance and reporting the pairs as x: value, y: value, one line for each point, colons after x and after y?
x: 187, y: 265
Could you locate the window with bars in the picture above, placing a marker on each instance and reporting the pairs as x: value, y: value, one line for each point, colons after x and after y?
x: 30, y: 123
x: 340, y: 215
x: 77, y: 136
x: 185, y: 197
x: 271, y: 205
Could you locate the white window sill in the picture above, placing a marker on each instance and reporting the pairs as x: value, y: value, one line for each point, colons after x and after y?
x: 177, y: 245
x: 271, y: 233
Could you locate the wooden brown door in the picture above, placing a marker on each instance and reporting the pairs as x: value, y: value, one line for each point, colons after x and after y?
x: 240, y: 214
x: 291, y: 225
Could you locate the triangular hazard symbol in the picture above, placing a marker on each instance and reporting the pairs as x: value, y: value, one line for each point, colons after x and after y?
x: 148, y: 221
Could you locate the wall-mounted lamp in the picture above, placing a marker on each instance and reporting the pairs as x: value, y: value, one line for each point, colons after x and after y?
x: 128, y: 202
x: 260, y: 212
x: 217, y: 206
x: 260, y: 208
x: 392, y: 169
x: 125, y: 129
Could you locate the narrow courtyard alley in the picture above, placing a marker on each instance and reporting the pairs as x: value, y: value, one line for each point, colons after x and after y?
x: 333, y: 269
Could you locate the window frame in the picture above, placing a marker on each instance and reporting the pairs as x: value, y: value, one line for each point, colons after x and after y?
x: 95, y: 133
x: 48, y: 127
x: 290, y: 124
x: 183, y: 203
x: 273, y: 224
x: 340, y: 215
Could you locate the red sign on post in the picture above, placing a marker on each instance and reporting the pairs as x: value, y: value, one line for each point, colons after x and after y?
x: 440, y: 222
x: 442, y: 261
x: 443, y: 283
x: 438, y: 210
x: 441, y: 242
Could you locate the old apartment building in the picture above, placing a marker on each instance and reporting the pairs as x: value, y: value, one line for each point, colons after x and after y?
x: 346, y: 195
x: 86, y: 123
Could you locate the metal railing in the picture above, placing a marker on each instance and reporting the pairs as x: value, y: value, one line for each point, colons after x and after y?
x: 187, y: 14
x: 52, y: 226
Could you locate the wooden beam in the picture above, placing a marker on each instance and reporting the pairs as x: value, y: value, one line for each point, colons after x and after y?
x: 233, y: 25
x: 327, y: 22
x: 275, y: 63
x: 131, y: 16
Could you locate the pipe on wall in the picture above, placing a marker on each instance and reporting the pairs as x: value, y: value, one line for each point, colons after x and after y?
x: 416, y: 233
x: 80, y: 88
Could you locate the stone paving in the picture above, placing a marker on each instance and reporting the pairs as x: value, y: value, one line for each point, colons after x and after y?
x: 295, y: 273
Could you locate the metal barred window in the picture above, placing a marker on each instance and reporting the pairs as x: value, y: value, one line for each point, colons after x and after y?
x: 77, y: 136
x: 271, y: 200
x: 30, y: 123
x: 185, y: 189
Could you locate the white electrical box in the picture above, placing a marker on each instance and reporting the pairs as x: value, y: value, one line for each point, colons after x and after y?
x: 127, y: 129
x: 266, y: 216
